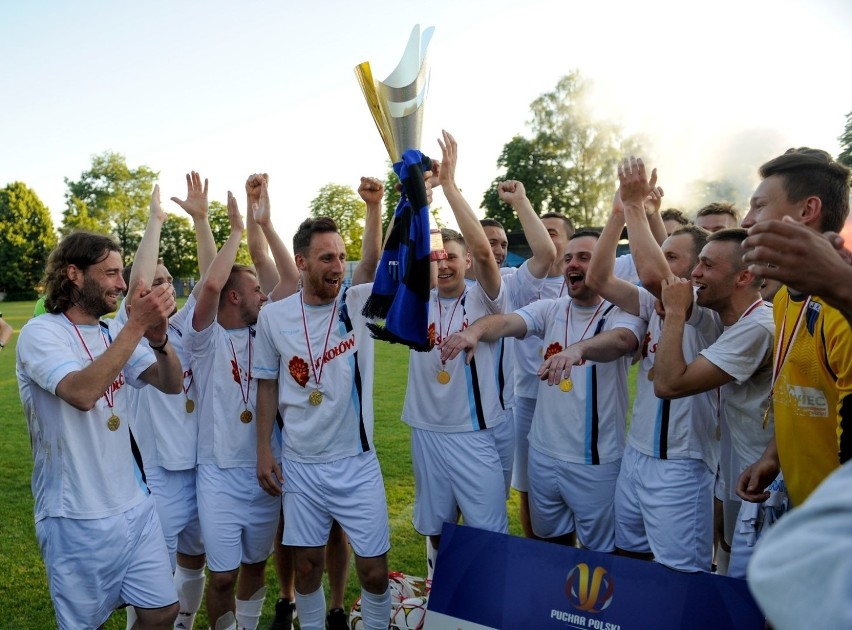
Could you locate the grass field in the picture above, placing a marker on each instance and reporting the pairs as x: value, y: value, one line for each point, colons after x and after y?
x: 23, y: 585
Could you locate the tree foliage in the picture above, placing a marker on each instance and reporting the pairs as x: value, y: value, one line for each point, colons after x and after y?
x: 178, y: 247
x: 217, y: 215
x: 846, y: 143
x: 26, y: 239
x: 392, y: 196
x: 341, y: 203
x: 569, y: 164
x: 110, y: 198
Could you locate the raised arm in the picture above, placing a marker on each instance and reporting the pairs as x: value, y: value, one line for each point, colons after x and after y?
x: 673, y: 377
x: 371, y: 191
x: 543, y: 250
x: 649, y: 258
x: 285, y: 265
x: 196, y: 206
x: 145, y: 261
x: 484, y: 266
x: 267, y: 274
x: 600, y: 276
x: 604, y: 347
x: 219, y: 271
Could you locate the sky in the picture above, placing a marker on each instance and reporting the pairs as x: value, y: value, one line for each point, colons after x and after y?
x: 233, y: 88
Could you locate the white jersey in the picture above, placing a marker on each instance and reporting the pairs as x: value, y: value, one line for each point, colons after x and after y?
x: 587, y: 424
x: 221, y: 367
x: 342, y: 424
x: 529, y: 352
x: 682, y: 428
x: 167, y: 433
x: 744, y: 351
x: 469, y: 401
x: 81, y: 468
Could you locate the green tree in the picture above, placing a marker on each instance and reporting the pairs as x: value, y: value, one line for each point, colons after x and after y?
x: 846, y: 143
x: 348, y: 210
x: 217, y: 215
x: 110, y: 198
x: 26, y: 239
x: 178, y: 247
x: 569, y: 165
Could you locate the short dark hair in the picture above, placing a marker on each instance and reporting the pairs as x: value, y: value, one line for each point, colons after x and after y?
x: 732, y: 235
x: 448, y: 236
x: 306, y: 231
x: 491, y: 223
x: 126, y: 271
x: 593, y: 232
x: 81, y: 249
x: 719, y: 207
x: 236, y: 271
x: 673, y: 214
x: 698, y: 235
x: 805, y: 172
x: 569, y: 227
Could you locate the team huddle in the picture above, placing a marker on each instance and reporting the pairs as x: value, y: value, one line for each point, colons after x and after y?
x: 176, y: 449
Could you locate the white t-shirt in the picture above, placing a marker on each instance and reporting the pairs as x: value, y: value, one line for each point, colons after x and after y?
x: 166, y: 433
x: 342, y: 424
x: 683, y: 428
x: 744, y: 351
x: 81, y: 469
x: 470, y: 400
x: 585, y: 425
x: 529, y: 353
x: 220, y: 362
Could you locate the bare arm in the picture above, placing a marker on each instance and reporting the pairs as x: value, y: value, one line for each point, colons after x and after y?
x: 488, y: 328
x: 267, y: 274
x: 82, y: 389
x: 217, y: 273
x: 371, y: 191
x: 269, y: 475
x: 635, y: 188
x: 484, y: 266
x: 673, y: 377
x: 652, y: 211
x: 754, y: 480
x: 285, y: 266
x: 145, y: 261
x: 5, y: 332
x: 541, y: 245
x: 600, y: 275
x: 605, y: 347
x: 196, y: 206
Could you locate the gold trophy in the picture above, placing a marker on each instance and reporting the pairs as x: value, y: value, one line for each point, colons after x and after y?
x: 396, y: 103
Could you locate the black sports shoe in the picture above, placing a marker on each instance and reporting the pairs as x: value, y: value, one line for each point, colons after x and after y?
x: 284, y: 612
x: 336, y: 620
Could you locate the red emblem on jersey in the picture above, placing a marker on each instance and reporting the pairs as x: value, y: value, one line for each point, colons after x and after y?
x: 235, y: 372
x: 552, y: 349
x: 299, y: 370
x: 645, y: 343
x: 431, y: 333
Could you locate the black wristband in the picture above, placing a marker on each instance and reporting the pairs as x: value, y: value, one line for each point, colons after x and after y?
x: 161, y: 348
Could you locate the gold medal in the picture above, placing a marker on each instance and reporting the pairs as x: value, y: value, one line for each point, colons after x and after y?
x: 566, y: 385
x: 315, y: 397
x: 443, y: 377
x: 245, y: 416
x: 113, y: 423
x: 190, y: 405
x: 651, y: 374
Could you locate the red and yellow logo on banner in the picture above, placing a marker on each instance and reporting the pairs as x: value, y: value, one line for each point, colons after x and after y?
x: 589, y: 593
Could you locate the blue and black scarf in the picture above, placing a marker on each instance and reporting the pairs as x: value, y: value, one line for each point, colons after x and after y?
x: 401, y: 288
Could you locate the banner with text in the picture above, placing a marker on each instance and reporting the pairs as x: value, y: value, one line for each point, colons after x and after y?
x: 487, y: 581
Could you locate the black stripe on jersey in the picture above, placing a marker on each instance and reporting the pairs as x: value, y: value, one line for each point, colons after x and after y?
x: 501, y: 377
x: 362, y: 430
x: 596, y: 458
x: 845, y: 424
x: 825, y: 352
x: 279, y: 420
x: 664, y: 429
x: 477, y: 398
x: 137, y: 457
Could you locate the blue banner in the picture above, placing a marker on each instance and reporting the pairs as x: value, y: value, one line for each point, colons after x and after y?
x: 486, y: 581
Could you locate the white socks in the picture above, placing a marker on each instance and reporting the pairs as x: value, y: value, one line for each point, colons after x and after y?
x: 190, y: 589
x: 248, y: 610
x: 311, y: 609
x: 375, y: 609
x: 431, y: 557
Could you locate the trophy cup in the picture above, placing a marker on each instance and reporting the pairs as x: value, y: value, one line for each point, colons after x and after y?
x: 400, y: 294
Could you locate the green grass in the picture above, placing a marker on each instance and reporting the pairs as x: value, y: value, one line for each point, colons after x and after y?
x: 23, y: 583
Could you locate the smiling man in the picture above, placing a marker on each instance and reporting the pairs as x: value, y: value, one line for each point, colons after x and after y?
x: 96, y: 522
